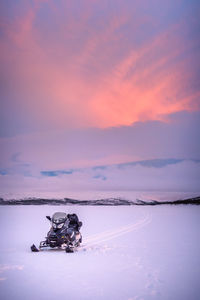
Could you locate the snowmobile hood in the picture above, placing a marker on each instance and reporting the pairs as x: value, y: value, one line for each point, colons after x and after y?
x: 59, y: 217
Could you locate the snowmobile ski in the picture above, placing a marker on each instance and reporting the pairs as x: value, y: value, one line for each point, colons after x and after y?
x: 34, y: 248
x: 69, y: 250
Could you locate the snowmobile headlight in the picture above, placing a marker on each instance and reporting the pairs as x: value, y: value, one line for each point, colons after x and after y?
x: 54, y: 225
x: 60, y: 225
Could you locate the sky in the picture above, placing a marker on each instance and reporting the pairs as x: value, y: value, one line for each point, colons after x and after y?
x: 99, y: 95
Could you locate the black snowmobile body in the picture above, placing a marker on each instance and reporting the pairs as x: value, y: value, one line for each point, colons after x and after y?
x: 64, y: 233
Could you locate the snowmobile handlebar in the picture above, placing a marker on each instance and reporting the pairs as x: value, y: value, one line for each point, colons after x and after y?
x: 79, y: 223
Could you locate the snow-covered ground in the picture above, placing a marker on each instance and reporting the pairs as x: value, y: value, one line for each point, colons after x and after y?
x: 128, y: 252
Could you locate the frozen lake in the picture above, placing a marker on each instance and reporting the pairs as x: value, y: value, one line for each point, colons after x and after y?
x: 128, y: 253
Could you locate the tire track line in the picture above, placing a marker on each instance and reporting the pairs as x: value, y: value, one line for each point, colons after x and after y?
x: 111, y: 234
x: 108, y: 232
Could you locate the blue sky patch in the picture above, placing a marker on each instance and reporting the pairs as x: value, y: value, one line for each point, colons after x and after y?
x: 102, y: 177
x: 3, y: 172
x: 56, y: 173
x: 152, y: 163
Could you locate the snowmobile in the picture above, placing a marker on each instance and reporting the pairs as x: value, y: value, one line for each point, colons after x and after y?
x: 64, y: 233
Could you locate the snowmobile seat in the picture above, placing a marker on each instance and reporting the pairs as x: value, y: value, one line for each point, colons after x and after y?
x: 74, y: 221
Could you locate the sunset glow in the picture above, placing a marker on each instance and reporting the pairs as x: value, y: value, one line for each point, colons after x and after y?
x: 68, y: 65
x: 98, y: 83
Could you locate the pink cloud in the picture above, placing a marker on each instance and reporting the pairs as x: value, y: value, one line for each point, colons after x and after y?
x: 77, y: 77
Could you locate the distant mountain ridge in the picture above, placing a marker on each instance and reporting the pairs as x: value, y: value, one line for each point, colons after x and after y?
x: 98, y: 202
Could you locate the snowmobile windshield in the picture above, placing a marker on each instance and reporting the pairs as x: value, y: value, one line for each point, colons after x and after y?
x: 59, y: 217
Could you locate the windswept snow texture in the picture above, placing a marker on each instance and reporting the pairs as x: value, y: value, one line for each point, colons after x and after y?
x: 128, y: 253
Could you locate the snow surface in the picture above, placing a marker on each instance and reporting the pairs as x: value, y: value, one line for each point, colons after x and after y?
x: 128, y: 253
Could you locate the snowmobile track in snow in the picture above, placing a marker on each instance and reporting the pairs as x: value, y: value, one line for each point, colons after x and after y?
x: 111, y: 234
